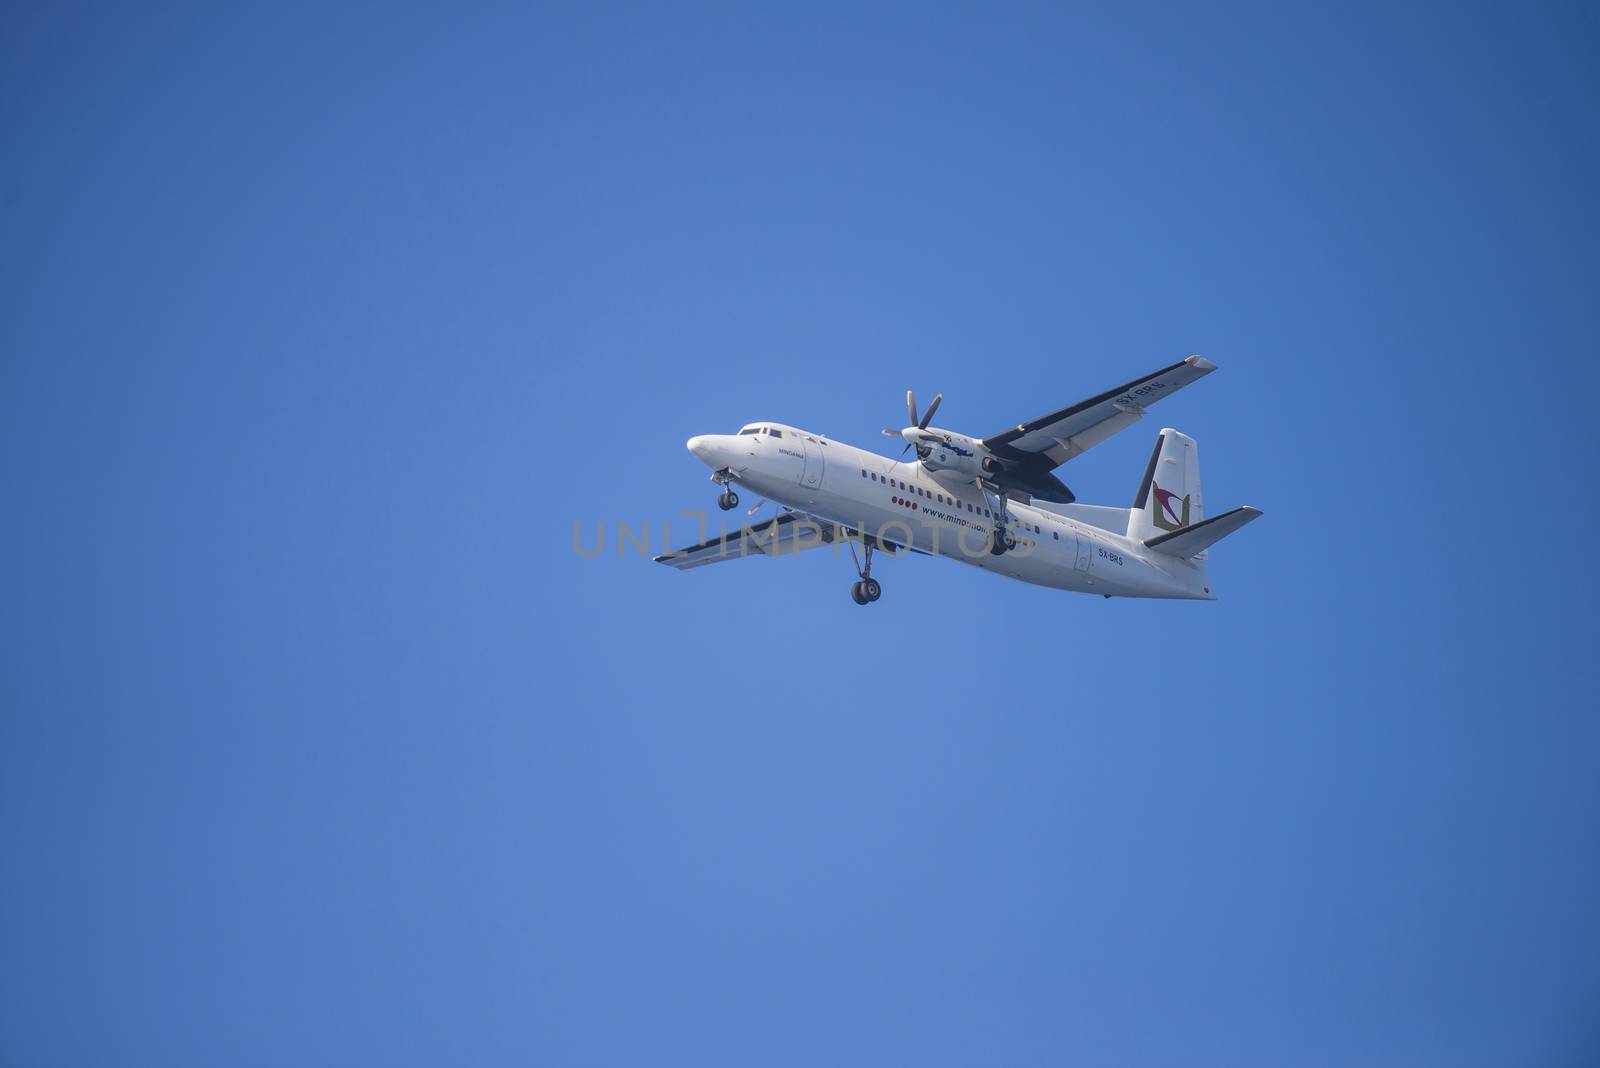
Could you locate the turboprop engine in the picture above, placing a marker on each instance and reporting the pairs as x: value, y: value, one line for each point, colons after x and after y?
x: 942, y: 450
x: 969, y: 458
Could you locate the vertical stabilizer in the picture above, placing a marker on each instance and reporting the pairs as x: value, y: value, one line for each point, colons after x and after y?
x: 1169, y: 497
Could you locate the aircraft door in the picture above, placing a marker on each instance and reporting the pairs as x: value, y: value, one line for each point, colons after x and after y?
x: 1085, y: 553
x: 811, y: 476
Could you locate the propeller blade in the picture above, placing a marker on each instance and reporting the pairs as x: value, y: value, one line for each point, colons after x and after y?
x: 890, y: 433
x: 911, y: 408
x: 905, y: 450
x: 753, y: 507
x: 928, y: 415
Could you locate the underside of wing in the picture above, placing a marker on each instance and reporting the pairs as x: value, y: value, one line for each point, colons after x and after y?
x: 782, y: 535
x: 1039, y: 445
x: 791, y: 532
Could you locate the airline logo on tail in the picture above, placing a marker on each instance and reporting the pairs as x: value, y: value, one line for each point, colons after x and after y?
x: 1164, y: 501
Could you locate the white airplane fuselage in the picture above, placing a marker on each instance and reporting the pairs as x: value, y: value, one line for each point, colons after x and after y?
x: 940, y: 513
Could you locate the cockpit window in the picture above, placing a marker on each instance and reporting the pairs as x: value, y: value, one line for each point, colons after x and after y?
x: 775, y: 433
x: 751, y: 430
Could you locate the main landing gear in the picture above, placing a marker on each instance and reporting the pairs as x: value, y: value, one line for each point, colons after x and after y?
x: 727, y: 500
x: 867, y: 589
x: 1001, y: 541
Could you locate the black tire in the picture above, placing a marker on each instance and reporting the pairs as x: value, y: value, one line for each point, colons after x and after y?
x: 870, y: 589
x: 856, y: 595
x: 728, y: 501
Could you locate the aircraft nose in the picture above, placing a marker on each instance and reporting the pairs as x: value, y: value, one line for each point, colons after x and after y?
x: 700, y: 445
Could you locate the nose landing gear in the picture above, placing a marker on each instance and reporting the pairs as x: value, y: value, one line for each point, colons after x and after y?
x: 727, y: 500
x: 867, y: 589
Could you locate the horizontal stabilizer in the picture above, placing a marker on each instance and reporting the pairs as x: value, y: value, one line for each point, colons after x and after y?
x: 1198, y: 537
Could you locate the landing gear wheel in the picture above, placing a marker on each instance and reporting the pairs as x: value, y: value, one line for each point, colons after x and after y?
x: 1002, y: 542
x: 867, y: 589
x: 728, y: 501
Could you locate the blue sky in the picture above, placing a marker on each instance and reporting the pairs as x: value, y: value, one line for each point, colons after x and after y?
x: 323, y: 327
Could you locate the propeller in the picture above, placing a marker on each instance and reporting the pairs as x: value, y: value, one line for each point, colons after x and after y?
x: 918, y: 424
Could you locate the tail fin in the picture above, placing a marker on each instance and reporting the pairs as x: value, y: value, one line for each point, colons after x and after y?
x: 1169, y: 497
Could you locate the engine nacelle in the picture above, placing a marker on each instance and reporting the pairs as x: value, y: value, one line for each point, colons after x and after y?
x: 940, y: 450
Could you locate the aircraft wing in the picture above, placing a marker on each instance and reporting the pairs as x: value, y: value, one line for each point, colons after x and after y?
x: 782, y: 535
x: 1041, y: 444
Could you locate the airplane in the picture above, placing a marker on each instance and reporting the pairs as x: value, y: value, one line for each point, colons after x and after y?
x: 991, y: 502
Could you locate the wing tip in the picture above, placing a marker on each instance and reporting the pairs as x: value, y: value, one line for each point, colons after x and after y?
x: 1201, y: 364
